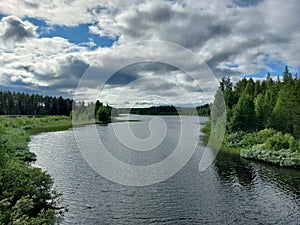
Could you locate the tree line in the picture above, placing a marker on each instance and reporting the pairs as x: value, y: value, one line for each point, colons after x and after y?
x: 263, y: 118
x: 203, y: 110
x: 256, y: 105
x: 17, y: 103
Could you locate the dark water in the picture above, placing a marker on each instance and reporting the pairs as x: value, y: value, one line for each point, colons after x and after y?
x: 230, y: 191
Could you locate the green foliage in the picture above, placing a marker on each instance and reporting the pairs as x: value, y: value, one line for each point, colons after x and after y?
x: 269, y: 102
x: 243, y: 117
x: 82, y: 114
x: 16, y: 103
x: 243, y: 139
x: 155, y: 110
x: 267, y: 145
x: 280, y: 141
x: 218, y: 108
x: 259, y: 111
x: 256, y: 137
x: 25, y: 192
x: 36, y: 124
x: 282, y: 157
x: 91, y: 113
x: 261, y: 105
x: 283, y: 111
x: 234, y: 139
x: 203, y: 110
x: 249, y: 90
x: 103, y: 114
x: 276, y: 104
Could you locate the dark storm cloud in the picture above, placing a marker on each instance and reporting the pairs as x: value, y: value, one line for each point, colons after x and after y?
x: 73, y: 67
x: 122, y: 78
x: 136, y: 71
x: 19, y: 83
x: 33, y: 5
x: 155, y: 67
x: 16, y: 29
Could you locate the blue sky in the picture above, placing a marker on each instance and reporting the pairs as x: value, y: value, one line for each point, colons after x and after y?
x: 47, y: 48
x: 75, y: 34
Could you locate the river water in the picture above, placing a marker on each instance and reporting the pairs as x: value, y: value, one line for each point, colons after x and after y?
x: 230, y: 191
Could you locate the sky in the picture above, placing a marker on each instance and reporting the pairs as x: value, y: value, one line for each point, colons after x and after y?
x: 47, y: 47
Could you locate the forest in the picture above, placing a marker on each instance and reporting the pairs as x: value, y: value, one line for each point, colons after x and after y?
x: 263, y: 117
x: 203, y: 110
x: 17, y: 103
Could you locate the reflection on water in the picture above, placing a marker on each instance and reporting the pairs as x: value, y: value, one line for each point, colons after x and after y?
x: 231, y: 191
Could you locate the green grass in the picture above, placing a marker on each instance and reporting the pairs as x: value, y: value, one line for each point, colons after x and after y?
x: 26, y: 195
x: 36, y: 125
x: 224, y: 147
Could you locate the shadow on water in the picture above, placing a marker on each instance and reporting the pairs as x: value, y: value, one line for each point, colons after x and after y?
x: 233, y: 169
x: 231, y: 191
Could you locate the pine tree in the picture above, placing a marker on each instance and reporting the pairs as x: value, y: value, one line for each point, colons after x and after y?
x: 281, y: 118
x: 218, y: 107
x: 250, y: 88
x: 296, y: 115
x: 243, y: 116
x: 270, y: 99
x: 260, y: 111
x: 257, y: 88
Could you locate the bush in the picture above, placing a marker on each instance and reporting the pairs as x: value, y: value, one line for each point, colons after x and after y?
x: 244, y: 139
x: 254, y: 138
x: 282, y: 157
x: 270, y: 146
x: 280, y: 141
x: 235, y: 138
x: 103, y: 114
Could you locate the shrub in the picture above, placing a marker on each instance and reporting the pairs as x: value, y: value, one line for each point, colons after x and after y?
x: 254, y: 138
x: 282, y: 157
x: 280, y: 141
x: 235, y: 138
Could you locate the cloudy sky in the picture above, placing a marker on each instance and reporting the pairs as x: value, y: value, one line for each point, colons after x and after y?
x: 47, y: 46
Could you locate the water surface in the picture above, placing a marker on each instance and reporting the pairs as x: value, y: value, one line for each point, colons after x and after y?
x: 230, y: 191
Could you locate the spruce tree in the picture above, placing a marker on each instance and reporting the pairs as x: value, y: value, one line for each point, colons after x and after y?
x: 243, y: 117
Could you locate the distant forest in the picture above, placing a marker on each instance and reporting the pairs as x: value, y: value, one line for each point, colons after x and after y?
x: 203, y: 110
x: 16, y: 103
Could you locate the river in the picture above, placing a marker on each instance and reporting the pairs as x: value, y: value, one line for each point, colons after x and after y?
x: 231, y: 191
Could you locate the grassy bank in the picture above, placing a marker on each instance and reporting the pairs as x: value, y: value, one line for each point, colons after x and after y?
x: 26, y: 195
x: 267, y: 145
x: 224, y: 147
x: 40, y: 124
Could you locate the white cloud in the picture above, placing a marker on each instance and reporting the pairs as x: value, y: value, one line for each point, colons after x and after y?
x: 69, y: 13
x: 232, y: 37
x: 13, y: 30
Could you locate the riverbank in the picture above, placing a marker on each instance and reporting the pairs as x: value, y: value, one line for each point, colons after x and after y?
x: 224, y: 148
x: 92, y: 199
x: 26, y: 194
x: 268, y: 145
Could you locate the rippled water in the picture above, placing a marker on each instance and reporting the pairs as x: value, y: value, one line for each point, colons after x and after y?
x: 230, y: 191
